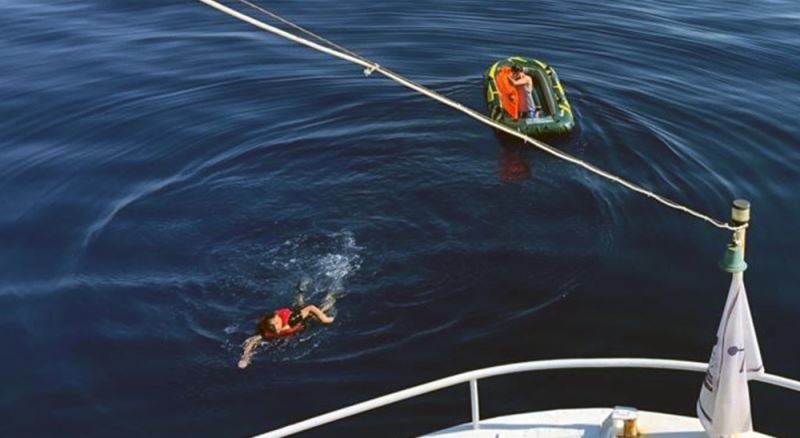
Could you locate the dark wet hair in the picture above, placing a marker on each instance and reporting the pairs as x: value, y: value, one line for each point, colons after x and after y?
x: 516, y: 68
x: 265, y: 326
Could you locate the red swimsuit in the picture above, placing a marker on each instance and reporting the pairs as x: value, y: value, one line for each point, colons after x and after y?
x: 284, y: 314
x: 291, y: 319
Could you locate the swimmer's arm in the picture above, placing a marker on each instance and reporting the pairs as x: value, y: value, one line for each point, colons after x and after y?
x: 319, y: 314
x: 251, y: 343
x: 249, y: 348
x: 522, y: 81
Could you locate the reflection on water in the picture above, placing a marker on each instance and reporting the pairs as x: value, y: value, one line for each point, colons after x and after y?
x: 515, y: 166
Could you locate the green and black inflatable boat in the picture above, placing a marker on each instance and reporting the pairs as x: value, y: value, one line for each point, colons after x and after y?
x: 504, y: 100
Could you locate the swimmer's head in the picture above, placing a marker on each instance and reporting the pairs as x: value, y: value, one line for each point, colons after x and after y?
x: 269, y: 325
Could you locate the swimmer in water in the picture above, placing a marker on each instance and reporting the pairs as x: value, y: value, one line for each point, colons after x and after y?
x: 285, y: 321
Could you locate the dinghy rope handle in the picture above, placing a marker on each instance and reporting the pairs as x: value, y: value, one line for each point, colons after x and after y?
x: 333, y: 49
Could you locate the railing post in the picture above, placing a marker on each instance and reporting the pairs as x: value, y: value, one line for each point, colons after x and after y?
x: 475, y: 404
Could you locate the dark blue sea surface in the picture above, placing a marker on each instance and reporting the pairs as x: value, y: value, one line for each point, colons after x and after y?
x: 167, y: 173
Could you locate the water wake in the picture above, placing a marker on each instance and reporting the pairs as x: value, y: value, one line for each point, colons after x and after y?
x: 321, y: 264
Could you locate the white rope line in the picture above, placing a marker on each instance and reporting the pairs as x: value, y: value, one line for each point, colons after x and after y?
x: 367, y: 71
x: 370, y: 66
x: 302, y: 29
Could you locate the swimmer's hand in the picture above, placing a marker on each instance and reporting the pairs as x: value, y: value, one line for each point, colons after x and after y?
x: 243, y: 363
x: 327, y: 319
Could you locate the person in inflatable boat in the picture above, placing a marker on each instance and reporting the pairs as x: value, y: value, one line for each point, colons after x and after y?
x: 528, y: 107
x: 286, y: 321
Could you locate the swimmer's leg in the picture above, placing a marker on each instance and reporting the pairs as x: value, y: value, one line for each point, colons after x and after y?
x: 303, y: 285
x: 300, y: 290
x: 249, y: 348
x: 328, y: 302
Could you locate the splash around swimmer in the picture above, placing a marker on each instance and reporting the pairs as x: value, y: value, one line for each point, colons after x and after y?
x: 287, y: 321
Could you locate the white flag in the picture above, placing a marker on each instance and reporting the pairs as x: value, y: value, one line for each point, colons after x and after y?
x: 724, y: 403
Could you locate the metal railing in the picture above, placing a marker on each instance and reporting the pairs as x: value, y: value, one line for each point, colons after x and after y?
x: 473, y: 376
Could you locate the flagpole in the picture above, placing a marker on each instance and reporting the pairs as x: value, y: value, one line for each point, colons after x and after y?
x: 723, y: 406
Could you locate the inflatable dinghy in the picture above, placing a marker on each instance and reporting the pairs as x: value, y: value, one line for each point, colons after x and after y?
x: 554, y: 115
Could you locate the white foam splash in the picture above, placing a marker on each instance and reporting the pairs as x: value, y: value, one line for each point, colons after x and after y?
x: 327, y: 260
x: 335, y: 267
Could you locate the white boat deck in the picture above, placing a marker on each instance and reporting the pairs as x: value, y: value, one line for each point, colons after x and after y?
x: 578, y: 423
